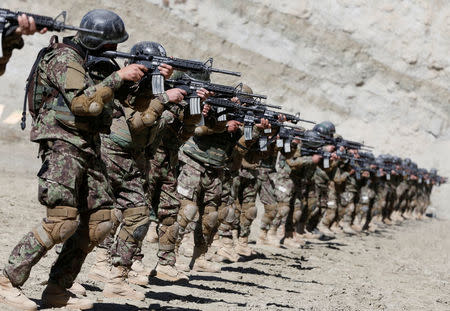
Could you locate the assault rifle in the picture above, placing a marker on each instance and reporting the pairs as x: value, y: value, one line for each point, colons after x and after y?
x: 8, y: 22
x: 191, y: 85
x: 153, y: 61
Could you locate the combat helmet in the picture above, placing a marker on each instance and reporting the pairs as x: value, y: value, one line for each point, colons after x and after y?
x: 107, y: 21
x: 325, y: 128
x: 312, y: 139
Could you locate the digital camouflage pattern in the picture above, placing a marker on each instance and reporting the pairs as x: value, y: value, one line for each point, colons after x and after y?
x: 127, y: 184
x: 162, y: 192
x: 72, y: 173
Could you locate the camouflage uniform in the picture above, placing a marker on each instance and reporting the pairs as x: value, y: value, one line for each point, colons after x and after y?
x: 175, y: 127
x: 302, y: 173
x: 284, y: 191
x: 9, y: 43
x: 364, y: 207
x: 257, y: 177
x: 200, y: 181
x: 72, y: 179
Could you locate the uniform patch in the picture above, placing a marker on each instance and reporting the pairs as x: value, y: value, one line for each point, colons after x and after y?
x: 75, y: 76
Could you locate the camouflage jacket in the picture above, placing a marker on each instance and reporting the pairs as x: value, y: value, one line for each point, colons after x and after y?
x: 302, y: 167
x: 9, y: 43
x: 63, y: 69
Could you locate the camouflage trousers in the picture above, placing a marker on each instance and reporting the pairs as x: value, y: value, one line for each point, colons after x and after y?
x: 334, y: 207
x: 401, y: 197
x: 251, y: 183
x: 127, y: 182
x: 200, y: 191
x: 228, y: 213
x: 283, y: 188
x: 71, y: 181
x: 162, y: 193
x: 364, y: 206
x: 303, y: 207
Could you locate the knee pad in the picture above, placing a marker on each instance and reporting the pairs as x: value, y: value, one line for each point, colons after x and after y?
x: 250, y: 211
x: 270, y: 212
x: 209, y: 219
x: 331, y: 205
x: 227, y: 214
x: 283, y: 210
x: 296, y: 216
x: 188, y: 213
x: 100, y: 225
x: 135, y: 223
x: 60, y: 224
x: 168, y: 237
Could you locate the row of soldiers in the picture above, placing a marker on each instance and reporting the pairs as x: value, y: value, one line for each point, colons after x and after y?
x: 127, y: 149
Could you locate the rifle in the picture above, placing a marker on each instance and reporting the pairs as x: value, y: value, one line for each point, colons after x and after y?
x: 52, y: 24
x: 191, y: 85
x: 153, y: 61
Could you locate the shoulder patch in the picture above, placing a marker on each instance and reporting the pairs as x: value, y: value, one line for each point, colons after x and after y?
x: 75, y: 77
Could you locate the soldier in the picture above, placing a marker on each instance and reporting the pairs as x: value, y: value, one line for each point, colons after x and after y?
x: 69, y: 112
x: 121, y: 149
x: 303, y: 166
x: 176, y: 126
x: 12, y: 38
x: 203, y: 159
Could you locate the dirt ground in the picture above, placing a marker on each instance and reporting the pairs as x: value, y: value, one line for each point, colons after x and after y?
x: 404, y: 267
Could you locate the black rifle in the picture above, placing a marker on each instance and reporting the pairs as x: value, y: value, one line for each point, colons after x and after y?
x: 153, y: 61
x: 8, y: 20
x: 191, y: 86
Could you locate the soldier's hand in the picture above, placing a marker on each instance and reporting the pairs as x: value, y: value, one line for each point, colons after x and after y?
x: 27, y: 26
x: 236, y: 100
x: 176, y: 95
x: 264, y: 124
x: 316, y: 158
x: 204, y: 94
x: 352, y: 171
x: 329, y: 148
x: 133, y: 72
x: 282, y: 118
x: 233, y: 126
x: 165, y: 70
x: 334, y: 156
x: 206, y: 109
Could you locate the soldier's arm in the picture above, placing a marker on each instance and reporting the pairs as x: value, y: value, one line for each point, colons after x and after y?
x: 66, y: 73
x: 9, y: 43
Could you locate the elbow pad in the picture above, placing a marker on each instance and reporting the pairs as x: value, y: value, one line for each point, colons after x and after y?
x: 92, y: 106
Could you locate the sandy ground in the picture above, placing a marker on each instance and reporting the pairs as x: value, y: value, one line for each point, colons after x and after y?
x: 403, y: 267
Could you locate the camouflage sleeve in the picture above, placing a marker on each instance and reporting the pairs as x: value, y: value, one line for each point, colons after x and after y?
x: 66, y: 73
x: 298, y: 161
x: 288, y: 155
x: 9, y: 43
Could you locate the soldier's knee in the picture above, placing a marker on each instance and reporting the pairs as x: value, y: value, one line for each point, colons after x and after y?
x: 250, y: 211
x: 210, y: 217
x: 188, y: 213
x: 100, y: 225
x: 136, y: 222
x: 60, y: 224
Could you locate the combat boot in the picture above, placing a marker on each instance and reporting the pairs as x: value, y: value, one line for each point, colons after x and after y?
x: 55, y: 296
x: 262, y: 238
x: 12, y: 296
x: 242, y: 247
x: 139, y: 273
x: 203, y: 265
x: 346, y: 228
x: 152, y: 234
x: 273, y: 236
x: 168, y: 273
x: 336, y: 228
x: 117, y: 286
x: 77, y: 289
x: 291, y: 243
x: 101, y: 269
x: 227, y: 250
x: 325, y: 231
x: 186, y: 247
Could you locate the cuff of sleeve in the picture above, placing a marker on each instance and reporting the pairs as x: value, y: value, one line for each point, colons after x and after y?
x: 163, y: 98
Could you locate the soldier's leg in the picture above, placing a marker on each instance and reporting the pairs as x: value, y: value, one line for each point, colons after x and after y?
x: 168, y: 210
x: 211, y: 183
x: 59, y: 177
x: 348, y: 209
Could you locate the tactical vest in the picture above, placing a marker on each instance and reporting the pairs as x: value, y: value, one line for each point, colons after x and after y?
x: 210, y: 149
x: 42, y: 94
